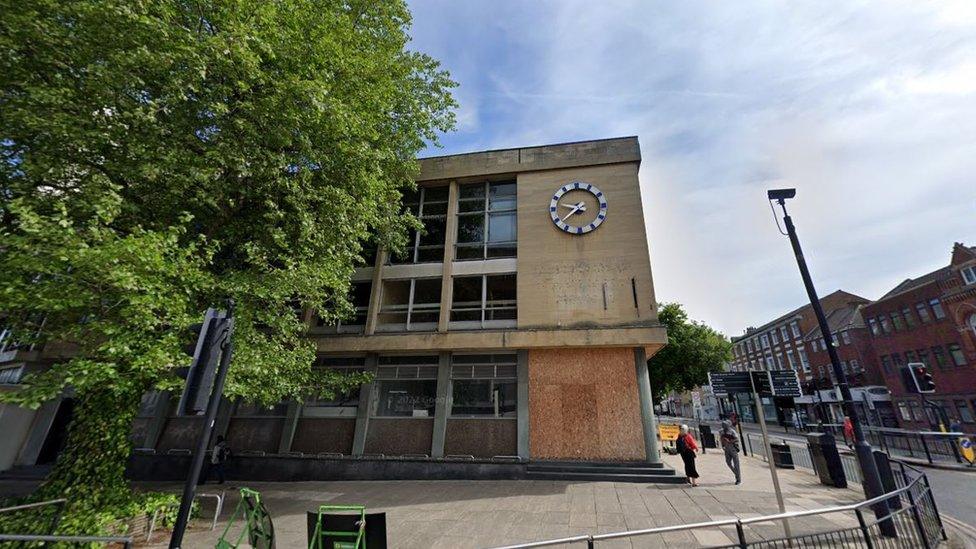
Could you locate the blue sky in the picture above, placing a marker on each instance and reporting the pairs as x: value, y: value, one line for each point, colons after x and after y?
x: 868, y: 109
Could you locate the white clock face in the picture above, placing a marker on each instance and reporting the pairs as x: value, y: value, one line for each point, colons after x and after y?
x: 578, y: 207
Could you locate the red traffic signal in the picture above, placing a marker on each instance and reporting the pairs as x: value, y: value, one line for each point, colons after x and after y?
x: 922, y: 378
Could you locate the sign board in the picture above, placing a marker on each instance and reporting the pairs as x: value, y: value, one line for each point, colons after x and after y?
x: 667, y: 432
x: 767, y: 383
x: 785, y: 383
x: 724, y: 383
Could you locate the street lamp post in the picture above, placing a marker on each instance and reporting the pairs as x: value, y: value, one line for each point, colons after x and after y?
x: 865, y: 456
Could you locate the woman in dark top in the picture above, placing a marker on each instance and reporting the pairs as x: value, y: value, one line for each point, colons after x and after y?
x: 687, y: 448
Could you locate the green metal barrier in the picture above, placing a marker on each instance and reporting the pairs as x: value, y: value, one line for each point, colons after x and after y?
x: 257, y: 529
x: 357, y: 537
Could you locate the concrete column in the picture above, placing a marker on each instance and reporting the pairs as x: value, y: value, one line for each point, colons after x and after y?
x: 450, y: 238
x: 375, y: 293
x: 442, y: 407
x: 648, y: 420
x: 158, y: 422
x: 291, y: 423
x: 362, y: 411
x: 522, y: 419
x: 39, y: 429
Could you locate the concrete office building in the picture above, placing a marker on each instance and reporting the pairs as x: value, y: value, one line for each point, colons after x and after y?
x: 517, y: 324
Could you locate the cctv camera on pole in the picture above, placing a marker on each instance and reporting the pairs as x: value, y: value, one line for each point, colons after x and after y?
x: 865, y: 456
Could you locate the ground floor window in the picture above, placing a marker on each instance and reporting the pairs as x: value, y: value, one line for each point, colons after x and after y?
x: 484, y: 386
x: 341, y: 404
x: 406, y: 387
x: 965, y: 414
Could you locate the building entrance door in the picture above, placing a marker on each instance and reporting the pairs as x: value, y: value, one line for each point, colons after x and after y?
x: 57, y: 434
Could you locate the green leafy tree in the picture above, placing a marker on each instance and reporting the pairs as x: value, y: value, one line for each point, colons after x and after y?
x: 158, y: 157
x: 693, y: 350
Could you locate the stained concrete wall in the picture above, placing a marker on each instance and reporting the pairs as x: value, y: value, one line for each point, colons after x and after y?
x: 583, y: 404
x: 256, y: 434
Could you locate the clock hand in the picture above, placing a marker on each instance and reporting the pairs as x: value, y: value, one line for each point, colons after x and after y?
x: 575, y: 209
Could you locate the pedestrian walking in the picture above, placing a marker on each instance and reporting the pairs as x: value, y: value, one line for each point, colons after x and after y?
x: 687, y: 448
x: 218, y: 460
x: 730, y: 443
x: 848, y: 432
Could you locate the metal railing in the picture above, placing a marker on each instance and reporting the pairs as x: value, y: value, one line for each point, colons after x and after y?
x: 58, y: 508
x: 912, y: 522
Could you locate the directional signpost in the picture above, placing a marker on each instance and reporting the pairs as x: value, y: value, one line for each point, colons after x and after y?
x: 761, y: 383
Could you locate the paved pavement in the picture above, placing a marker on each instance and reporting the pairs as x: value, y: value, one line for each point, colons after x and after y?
x: 954, y: 490
x: 457, y: 514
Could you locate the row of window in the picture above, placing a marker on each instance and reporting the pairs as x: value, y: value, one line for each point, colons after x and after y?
x: 765, y: 340
x: 840, y: 338
x: 481, y: 385
x: 898, y: 321
x: 850, y: 368
x: 780, y: 361
x: 912, y: 410
x: 478, y: 301
x: 486, y: 223
x: 944, y: 357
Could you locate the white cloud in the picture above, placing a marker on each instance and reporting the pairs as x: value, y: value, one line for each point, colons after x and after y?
x: 867, y: 109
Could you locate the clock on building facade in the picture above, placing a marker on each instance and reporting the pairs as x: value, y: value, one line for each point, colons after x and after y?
x: 578, y: 207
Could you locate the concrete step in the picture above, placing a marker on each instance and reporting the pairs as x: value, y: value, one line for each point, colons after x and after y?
x: 605, y: 477
x: 578, y: 464
x: 569, y: 468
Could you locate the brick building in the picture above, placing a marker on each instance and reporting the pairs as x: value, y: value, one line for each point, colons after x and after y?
x: 779, y: 345
x: 930, y: 319
x: 855, y: 350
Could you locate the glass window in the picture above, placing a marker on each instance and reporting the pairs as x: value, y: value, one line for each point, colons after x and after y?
x: 765, y: 341
x: 923, y: 312
x: 790, y: 359
x: 886, y: 364
x: 885, y: 325
x: 429, y: 204
x: 341, y: 403
x: 937, y: 309
x: 909, y: 317
x: 910, y: 357
x: 410, y: 305
x: 484, y: 301
x: 484, y: 385
x: 774, y: 337
x: 845, y: 336
x: 897, y: 360
x: 749, y: 345
x: 939, y: 356
x: 958, y: 358
x: 769, y: 362
x: 487, y: 226
x: 903, y: 410
x: 406, y: 387
x: 804, y: 360
x: 855, y: 366
x: 923, y: 356
x: 965, y: 413
x: 874, y: 326
x: 795, y: 327
x: 969, y: 274
x: 359, y: 298
x: 897, y: 322
x: 784, y: 333
x: 779, y: 361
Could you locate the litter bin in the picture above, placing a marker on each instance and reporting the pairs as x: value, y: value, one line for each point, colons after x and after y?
x: 707, y: 436
x: 826, y: 459
x: 782, y: 457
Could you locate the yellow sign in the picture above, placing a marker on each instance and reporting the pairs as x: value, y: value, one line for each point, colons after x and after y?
x: 966, y: 446
x: 667, y: 432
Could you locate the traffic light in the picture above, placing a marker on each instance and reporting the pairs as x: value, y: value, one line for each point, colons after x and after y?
x: 205, y: 348
x: 922, y: 378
